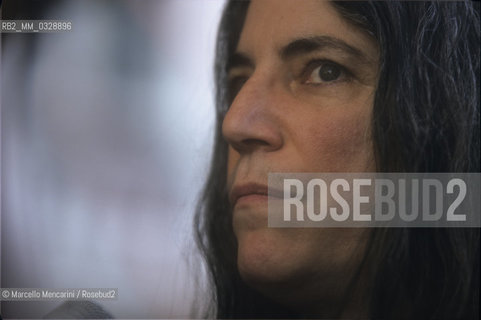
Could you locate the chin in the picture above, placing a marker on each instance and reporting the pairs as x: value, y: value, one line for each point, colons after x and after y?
x: 271, y: 263
x: 267, y: 259
x: 314, y: 264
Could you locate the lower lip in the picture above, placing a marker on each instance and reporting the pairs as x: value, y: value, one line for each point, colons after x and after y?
x: 252, y: 199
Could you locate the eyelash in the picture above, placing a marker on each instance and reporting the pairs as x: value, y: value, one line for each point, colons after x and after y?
x: 311, y: 66
x: 236, y: 83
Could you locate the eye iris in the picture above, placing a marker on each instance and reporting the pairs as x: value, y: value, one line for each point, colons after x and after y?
x: 329, y: 72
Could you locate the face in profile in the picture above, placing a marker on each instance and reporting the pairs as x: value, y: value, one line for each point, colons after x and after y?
x: 303, y: 81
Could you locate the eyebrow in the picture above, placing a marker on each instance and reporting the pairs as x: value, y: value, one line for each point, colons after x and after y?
x: 306, y: 45
x: 302, y: 46
x: 238, y: 59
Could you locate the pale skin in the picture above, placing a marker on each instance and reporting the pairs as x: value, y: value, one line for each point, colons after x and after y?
x: 306, y: 80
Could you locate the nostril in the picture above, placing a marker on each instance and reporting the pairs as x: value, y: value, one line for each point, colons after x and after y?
x: 254, y: 142
x: 249, y: 145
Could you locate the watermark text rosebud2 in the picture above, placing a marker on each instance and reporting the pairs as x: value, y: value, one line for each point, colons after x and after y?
x: 374, y: 200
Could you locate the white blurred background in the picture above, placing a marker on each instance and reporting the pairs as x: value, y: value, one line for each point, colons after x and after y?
x: 107, y: 133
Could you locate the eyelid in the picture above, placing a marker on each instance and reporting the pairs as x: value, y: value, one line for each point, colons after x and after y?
x: 236, y: 72
x: 316, y: 63
x: 236, y: 78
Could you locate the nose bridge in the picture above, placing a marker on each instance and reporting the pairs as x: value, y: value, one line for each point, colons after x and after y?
x: 250, y: 122
x: 253, y: 98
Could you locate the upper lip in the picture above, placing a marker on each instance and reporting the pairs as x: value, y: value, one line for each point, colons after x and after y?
x: 242, y: 190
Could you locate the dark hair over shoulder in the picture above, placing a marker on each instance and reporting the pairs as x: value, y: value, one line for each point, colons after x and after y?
x: 426, y: 118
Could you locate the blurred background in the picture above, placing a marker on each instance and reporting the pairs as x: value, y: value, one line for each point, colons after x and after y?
x: 106, y: 137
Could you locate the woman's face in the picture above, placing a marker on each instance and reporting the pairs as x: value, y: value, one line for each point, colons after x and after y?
x: 303, y: 81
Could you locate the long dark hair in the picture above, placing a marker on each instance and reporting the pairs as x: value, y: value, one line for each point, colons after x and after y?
x: 426, y: 119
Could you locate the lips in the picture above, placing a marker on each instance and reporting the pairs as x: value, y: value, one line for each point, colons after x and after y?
x: 250, y: 191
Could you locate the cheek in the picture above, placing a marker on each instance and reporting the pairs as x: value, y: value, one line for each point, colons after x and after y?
x: 232, y: 161
x: 338, y: 141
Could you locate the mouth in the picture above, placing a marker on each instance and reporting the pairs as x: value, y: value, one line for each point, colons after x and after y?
x: 251, y: 193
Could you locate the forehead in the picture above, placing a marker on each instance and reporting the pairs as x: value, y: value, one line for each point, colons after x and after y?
x: 270, y: 24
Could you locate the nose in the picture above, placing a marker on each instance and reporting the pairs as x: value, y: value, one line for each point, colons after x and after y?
x: 251, y: 123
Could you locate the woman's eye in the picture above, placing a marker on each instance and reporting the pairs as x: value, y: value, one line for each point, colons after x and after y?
x: 234, y: 86
x: 325, y: 72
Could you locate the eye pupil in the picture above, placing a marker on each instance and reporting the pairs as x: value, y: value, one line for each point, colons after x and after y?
x: 329, y: 72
